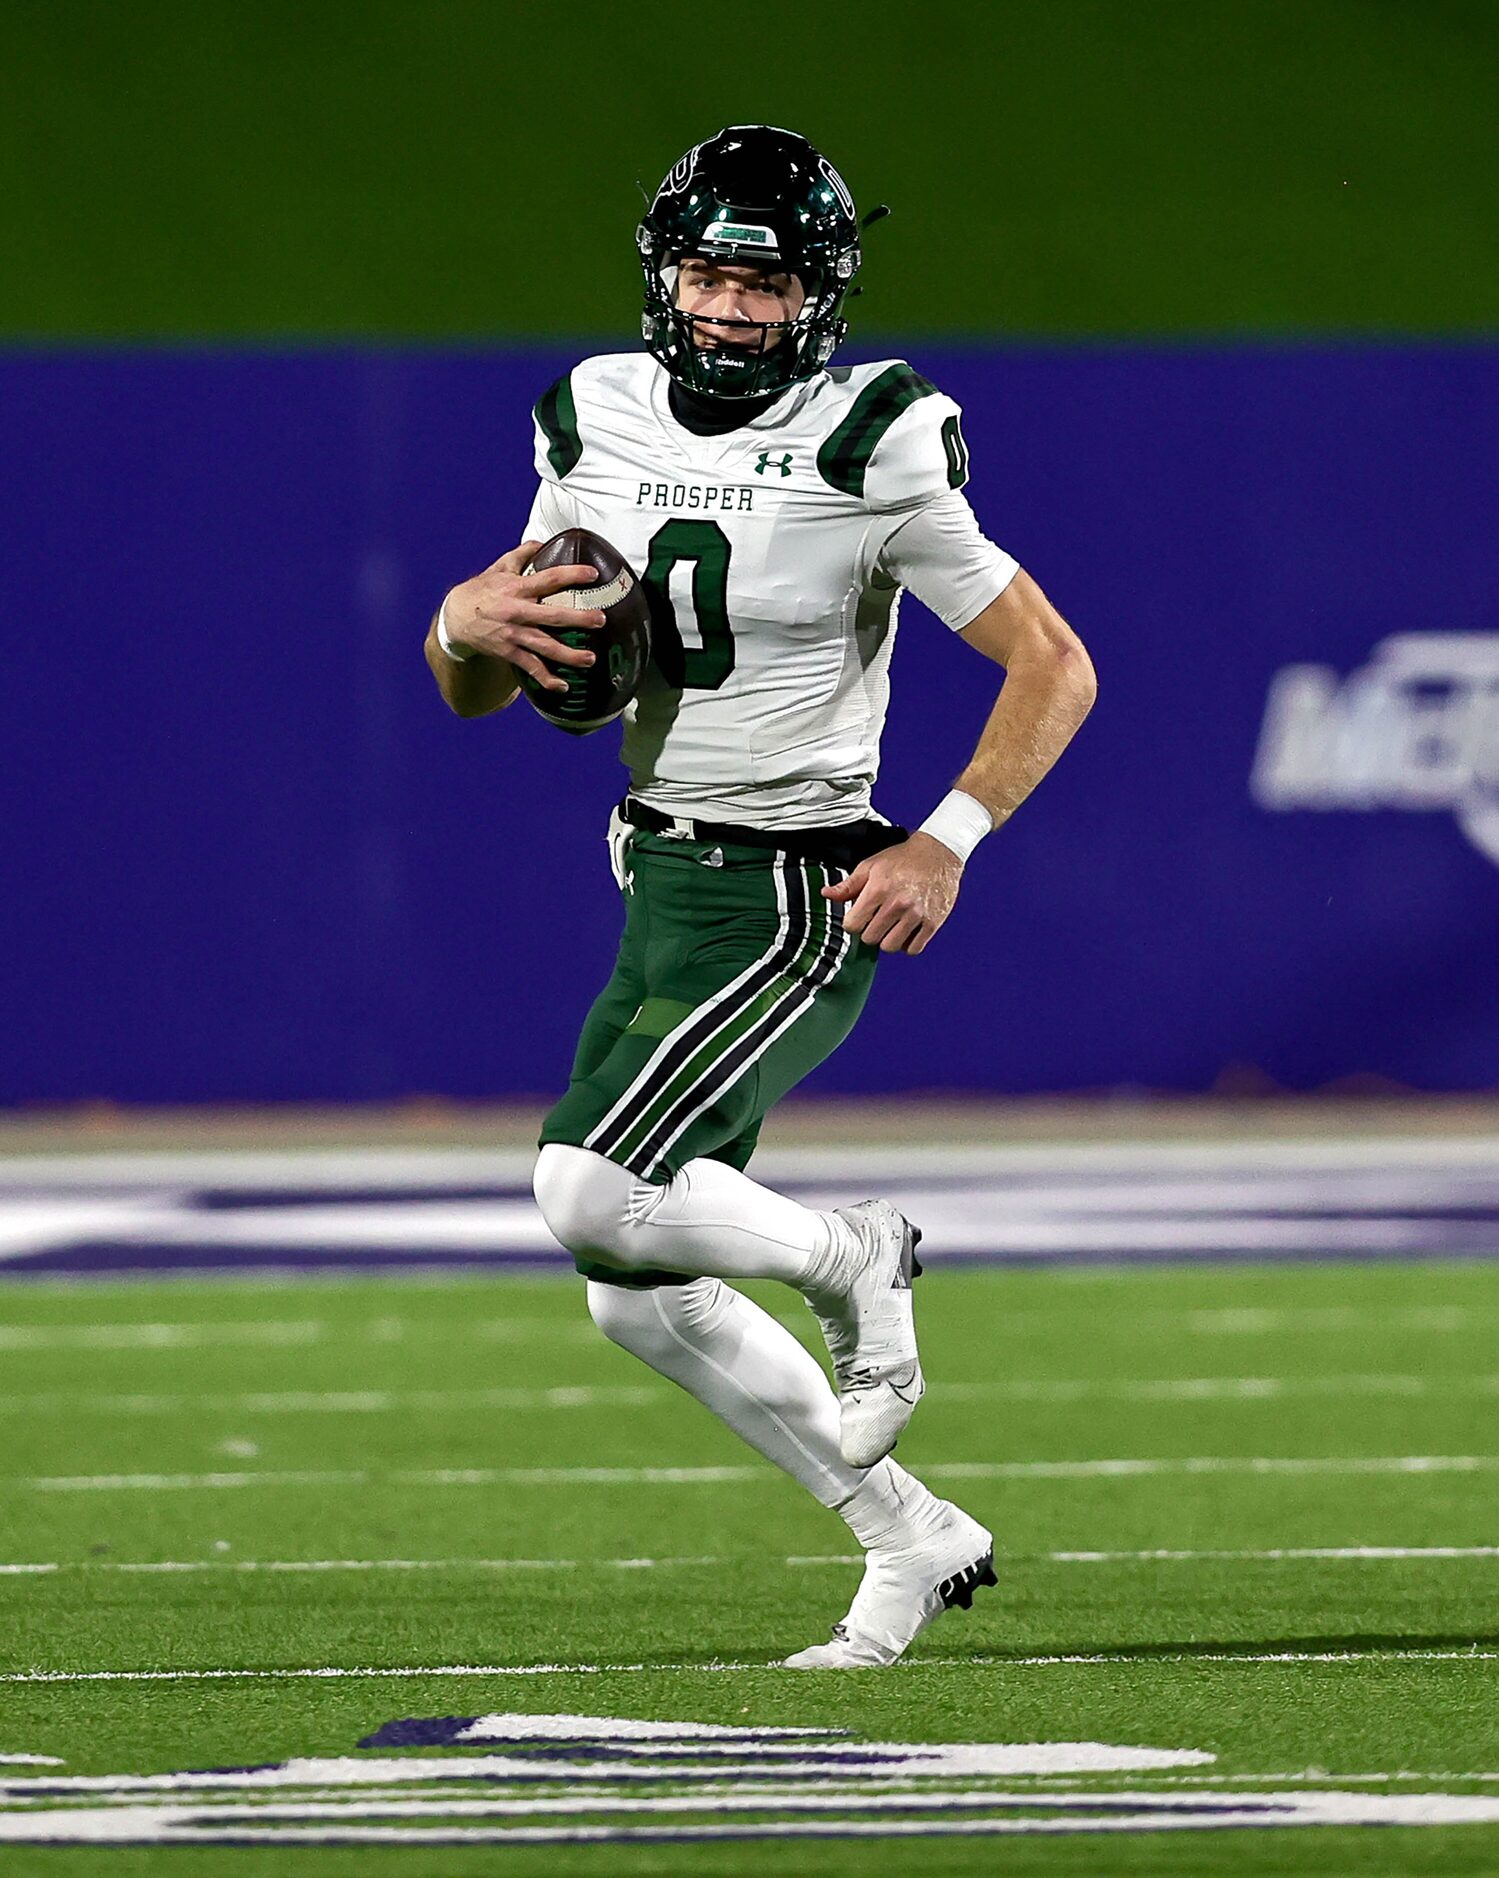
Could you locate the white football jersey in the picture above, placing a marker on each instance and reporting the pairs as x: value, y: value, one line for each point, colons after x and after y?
x: 774, y: 555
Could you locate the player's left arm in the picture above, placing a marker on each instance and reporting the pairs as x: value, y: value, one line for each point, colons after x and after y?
x: 933, y: 544
x: 899, y: 898
x: 1049, y: 689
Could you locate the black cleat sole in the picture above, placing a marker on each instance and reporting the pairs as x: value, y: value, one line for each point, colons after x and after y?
x: 959, y: 1589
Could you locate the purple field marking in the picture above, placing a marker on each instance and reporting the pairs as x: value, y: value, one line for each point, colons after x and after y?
x: 107, y: 1260
x: 1272, y: 1212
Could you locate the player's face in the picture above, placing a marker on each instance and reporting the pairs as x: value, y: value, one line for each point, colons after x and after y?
x: 721, y: 299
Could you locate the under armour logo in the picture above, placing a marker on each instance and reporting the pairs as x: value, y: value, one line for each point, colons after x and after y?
x: 765, y: 463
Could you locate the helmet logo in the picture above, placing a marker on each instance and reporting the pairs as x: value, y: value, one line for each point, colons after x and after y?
x: 836, y: 183
x: 680, y: 173
x: 765, y: 463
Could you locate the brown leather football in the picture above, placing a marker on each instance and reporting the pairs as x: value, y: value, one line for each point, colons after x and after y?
x: 597, y: 693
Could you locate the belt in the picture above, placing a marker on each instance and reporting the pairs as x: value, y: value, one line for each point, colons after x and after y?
x: 845, y: 844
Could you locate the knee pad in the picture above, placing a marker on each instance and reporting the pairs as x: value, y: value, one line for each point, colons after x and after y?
x: 583, y: 1198
x: 627, y: 1318
x: 654, y: 1324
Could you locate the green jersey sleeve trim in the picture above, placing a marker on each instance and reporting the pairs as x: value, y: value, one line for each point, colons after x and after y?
x: 558, y: 417
x: 843, y: 461
x: 955, y: 450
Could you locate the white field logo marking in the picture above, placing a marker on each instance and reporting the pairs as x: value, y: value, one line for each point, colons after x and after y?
x: 1416, y: 728
x: 548, y: 1779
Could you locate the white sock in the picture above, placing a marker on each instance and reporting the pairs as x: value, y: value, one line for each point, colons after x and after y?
x: 888, y: 1504
x: 708, y: 1220
x: 755, y: 1377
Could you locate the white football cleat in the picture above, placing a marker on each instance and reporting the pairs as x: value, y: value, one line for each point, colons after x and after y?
x: 904, y: 1587
x: 872, y: 1339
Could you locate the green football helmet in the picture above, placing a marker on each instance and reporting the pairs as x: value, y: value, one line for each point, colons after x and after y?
x: 751, y: 196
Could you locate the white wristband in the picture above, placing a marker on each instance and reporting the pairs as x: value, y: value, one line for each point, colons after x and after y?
x: 959, y: 822
x: 454, y: 653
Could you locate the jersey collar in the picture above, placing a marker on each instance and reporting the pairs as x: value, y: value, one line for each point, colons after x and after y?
x: 782, y: 406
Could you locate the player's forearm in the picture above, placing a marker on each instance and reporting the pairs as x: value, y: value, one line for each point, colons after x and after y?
x: 471, y: 687
x: 1049, y: 689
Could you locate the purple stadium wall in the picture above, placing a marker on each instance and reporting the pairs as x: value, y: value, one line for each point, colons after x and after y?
x: 248, y: 855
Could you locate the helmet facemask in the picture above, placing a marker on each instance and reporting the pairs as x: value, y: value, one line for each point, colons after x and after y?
x: 762, y: 355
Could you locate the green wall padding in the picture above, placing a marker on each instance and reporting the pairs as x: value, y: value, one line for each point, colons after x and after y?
x: 328, y: 169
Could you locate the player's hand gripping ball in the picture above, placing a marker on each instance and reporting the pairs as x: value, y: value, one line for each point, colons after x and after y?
x: 597, y: 693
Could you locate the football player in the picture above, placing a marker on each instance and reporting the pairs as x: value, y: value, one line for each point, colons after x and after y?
x: 775, y: 505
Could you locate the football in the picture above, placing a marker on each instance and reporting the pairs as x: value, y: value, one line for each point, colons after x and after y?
x: 596, y: 694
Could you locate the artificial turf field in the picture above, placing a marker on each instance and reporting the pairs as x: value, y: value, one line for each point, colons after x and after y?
x: 274, y: 1450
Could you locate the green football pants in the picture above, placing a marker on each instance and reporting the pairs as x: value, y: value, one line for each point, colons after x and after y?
x: 734, y: 979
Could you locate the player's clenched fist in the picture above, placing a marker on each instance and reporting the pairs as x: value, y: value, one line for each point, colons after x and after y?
x: 898, y: 898
x: 499, y: 613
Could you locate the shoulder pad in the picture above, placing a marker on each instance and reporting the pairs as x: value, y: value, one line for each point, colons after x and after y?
x: 558, y: 441
x: 899, y: 444
x: 595, y: 391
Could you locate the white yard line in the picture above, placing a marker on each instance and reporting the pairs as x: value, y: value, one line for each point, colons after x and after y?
x: 987, y: 1666
x: 1203, y: 1388
x: 981, y: 1221
x: 310, y: 1477
x: 1264, y: 1320
x: 333, y: 1401
x: 1183, y: 1555
x: 1274, y: 1554
x: 1255, y: 1320
x: 157, y: 1336
x: 1216, y: 1464
x: 1120, y: 1469
x: 421, y: 1477
x: 1473, y: 1655
x: 1251, y: 1320
x: 1357, y: 1554
x: 1234, y: 1320
x: 169, y: 1567
x: 215, y: 1331
x: 1016, y: 1389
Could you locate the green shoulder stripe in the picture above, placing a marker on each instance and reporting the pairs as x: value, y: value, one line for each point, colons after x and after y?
x: 844, y: 459
x: 558, y: 418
